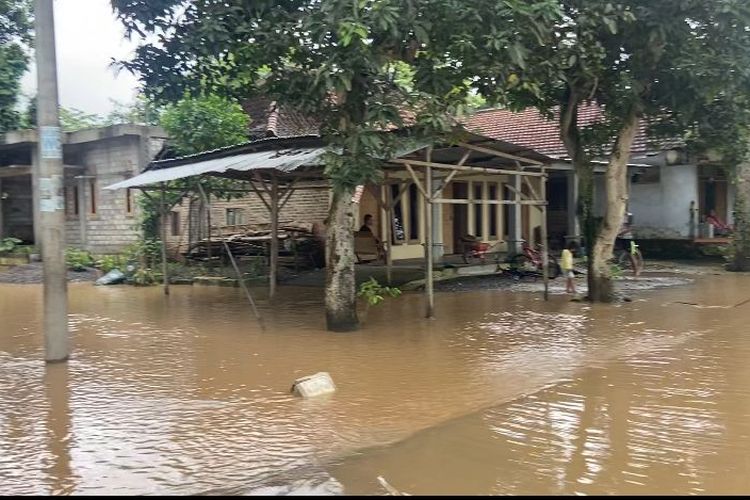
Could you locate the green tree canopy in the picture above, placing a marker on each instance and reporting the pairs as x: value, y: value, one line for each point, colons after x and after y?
x: 15, y: 39
x: 196, y: 124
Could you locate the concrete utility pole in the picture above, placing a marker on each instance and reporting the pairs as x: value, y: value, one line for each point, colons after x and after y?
x: 49, y: 171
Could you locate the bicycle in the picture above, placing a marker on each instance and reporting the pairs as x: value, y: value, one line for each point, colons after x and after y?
x: 530, y: 261
x: 630, y: 259
x: 473, y: 250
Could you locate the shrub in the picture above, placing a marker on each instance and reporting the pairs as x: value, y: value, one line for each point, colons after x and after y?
x: 77, y: 259
x: 7, y: 245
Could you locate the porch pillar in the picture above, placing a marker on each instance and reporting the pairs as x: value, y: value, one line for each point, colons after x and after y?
x: 514, y: 222
x: 2, y: 220
x: 574, y: 229
x: 274, y: 257
x: 438, y: 247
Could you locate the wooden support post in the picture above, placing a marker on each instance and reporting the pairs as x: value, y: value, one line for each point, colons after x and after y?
x: 237, y: 271
x: 164, y: 271
x: 2, y: 218
x: 274, y: 257
x: 416, y: 180
x: 241, y: 279
x: 429, y: 292
x: 387, y: 223
x: 545, y: 246
x: 209, y: 249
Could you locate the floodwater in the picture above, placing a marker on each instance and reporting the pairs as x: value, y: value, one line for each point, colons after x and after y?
x: 503, y: 394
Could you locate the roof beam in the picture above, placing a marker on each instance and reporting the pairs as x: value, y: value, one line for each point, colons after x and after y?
x: 494, y: 152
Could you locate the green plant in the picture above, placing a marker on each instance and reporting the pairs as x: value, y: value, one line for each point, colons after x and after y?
x: 374, y: 293
x: 615, y: 271
x: 77, y: 259
x: 144, y: 276
x: 106, y: 263
x: 7, y: 245
x: 146, y: 251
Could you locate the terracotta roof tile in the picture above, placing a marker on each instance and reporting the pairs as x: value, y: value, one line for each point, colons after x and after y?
x: 533, y: 130
x: 268, y: 119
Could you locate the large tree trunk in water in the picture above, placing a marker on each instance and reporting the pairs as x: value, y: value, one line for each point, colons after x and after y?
x: 741, y: 239
x: 585, y: 172
x: 341, y: 296
x: 600, y: 288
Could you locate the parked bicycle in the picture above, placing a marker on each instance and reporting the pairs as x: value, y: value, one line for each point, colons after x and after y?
x: 630, y: 258
x: 474, y: 250
x: 627, y: 255
x: 530, y: 261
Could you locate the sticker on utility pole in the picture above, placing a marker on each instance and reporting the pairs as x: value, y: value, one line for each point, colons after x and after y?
x: 50, y: 194
x: 50, y: 141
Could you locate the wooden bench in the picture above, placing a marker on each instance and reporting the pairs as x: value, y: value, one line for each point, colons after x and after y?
x: 365, y: 244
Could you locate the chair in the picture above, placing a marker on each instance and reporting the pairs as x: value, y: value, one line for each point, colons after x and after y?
x: 365, y: 244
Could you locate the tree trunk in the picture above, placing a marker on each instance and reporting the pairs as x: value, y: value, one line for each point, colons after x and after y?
x: 585, y: 172
x: 617, y: 197
x: 741, y: 239
x: 341, y: 297
x: 571, y: 136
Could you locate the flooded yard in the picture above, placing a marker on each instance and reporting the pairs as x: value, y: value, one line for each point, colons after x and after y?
x: 502, y: 394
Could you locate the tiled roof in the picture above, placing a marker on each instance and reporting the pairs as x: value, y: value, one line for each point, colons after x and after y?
x: 268, y: 119
x: 531, y: 129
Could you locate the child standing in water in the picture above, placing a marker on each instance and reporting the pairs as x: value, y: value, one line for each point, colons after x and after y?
x: 566, y: 264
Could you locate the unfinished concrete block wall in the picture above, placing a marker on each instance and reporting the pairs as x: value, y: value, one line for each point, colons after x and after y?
x: 111, y: 217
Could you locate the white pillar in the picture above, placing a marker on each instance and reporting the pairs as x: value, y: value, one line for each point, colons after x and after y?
x: 574, y: 229
x: 515, y: 222
x: 438, y: 246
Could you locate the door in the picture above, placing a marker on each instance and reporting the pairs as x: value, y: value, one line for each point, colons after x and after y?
x: 460, y: 214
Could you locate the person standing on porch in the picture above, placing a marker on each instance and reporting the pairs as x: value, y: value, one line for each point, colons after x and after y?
x: 566, y: 264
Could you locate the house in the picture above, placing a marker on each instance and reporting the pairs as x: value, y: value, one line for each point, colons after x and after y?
x: 189, y: 219
x: 493, y: 223
x: 96, y: 220
x: 671, y: 193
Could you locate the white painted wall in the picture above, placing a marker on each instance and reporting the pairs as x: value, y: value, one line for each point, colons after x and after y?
x: 662, y: 210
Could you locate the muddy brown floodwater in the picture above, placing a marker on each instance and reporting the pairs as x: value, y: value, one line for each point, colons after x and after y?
x: 503, y: 394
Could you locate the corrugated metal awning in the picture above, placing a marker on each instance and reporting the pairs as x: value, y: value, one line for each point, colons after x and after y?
x: 282, y: 160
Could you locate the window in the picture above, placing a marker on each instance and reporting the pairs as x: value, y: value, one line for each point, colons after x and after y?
x: 174, y: 219
x: 129, y: 201
x: 235, y: 216
x: 76, y: 208
x: 413, y: 212
x: 478, y: 206
x: 92, y: 187
x: 397, y: 229
x: 646, y: 175
x: 493, y: 211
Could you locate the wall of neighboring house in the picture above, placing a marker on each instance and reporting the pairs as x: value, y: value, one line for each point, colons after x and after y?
x: 110, y: 217
x: 18, y: 218
x: 660, y: 201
